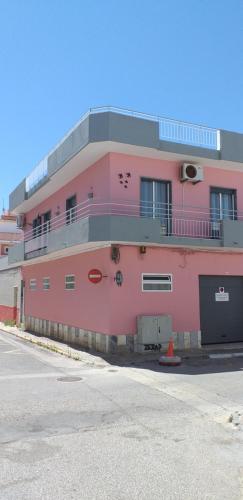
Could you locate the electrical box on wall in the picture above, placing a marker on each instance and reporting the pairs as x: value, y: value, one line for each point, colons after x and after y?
x: 153, y: 332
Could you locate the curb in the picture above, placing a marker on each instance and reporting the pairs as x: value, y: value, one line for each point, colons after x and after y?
x: 91, y: 359
x: 226, y: 355
x: 52, y: 345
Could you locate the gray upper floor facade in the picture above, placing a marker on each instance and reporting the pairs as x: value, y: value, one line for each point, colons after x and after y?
x: 103, y: 131
x: 117, y: 126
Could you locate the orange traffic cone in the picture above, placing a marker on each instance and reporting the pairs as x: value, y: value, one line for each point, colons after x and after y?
x: 169, y: 359
x: 170, y: 350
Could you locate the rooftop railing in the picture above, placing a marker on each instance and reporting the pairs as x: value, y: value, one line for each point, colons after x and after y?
x: 38, y: 174
x: 169, y: 130
x: 174, y: 130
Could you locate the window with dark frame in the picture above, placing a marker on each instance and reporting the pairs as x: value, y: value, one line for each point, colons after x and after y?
x: 71, y: 211
x: 36, y: 226
x: 223, y: 203
x: 47, y: 221
x: 69, y: 282
x: 155, y: 201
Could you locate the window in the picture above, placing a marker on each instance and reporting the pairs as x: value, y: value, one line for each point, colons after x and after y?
x: 41, y: 224
x: 223, y: 204
x: 156, y: 282
x: 47, y: 222
x: 5, y: 250
x: 36, y: 225
x: 71, y: 209
x: 156, y: 201
x: 70, y: 282
x: 33, y: 284
x: 46, y: 283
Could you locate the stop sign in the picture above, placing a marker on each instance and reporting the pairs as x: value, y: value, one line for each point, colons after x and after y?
x: 95, y: 276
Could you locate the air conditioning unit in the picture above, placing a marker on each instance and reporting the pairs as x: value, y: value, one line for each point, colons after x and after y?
x: 21, y: 221
x: 191, y: 172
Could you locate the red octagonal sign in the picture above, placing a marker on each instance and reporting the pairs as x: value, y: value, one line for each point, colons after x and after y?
x: 95, y: 276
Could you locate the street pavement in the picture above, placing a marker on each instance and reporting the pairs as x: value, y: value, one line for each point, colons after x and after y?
x: 69, y: 430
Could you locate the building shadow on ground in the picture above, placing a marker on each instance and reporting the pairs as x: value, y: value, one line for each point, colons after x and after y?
x: 192, y: 363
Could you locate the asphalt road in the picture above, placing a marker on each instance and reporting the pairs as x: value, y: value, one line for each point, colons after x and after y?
x: 68, y: 431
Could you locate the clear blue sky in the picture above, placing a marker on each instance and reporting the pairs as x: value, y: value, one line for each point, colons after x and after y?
x: 178, y: 58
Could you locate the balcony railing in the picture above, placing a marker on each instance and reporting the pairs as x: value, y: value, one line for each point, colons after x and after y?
x: 173, y: 220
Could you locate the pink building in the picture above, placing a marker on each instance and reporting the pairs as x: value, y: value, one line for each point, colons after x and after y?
x: 152, y: 210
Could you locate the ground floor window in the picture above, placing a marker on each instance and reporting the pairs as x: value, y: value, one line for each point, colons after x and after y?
x: 156, y: 282
x: 46, y: 283
x: 33, y: 284
x: 70, y: 282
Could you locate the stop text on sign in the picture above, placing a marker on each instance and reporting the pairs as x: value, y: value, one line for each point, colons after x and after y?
x: 95, y: 276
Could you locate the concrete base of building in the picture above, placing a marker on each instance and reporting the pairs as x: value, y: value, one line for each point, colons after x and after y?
x: 182, y: 341
x: 105, y: 343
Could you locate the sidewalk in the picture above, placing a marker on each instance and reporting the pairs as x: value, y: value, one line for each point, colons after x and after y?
x: 92, y: 358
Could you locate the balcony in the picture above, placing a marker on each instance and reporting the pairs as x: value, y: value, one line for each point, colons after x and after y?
x: 130, y: 222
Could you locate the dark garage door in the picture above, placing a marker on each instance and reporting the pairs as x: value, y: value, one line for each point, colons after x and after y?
x: 221, y: 320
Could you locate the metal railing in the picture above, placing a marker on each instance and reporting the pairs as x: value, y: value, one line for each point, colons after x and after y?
x: 187, y: 133
x: 174, y: 130
x: 173, y: 220
x: 37, y: 175
x: 169, y: 130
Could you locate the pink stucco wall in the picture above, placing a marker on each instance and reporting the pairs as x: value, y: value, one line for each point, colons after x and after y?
x: 102, y: 179
x: 86, y: 307
x: 95, y: 179
x: 110, y: 309
x: 183, y: 302
x: 167, y: 170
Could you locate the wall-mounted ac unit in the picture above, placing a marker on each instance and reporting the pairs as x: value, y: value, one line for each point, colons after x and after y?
x: 191, y: 172
x: 21, y: 221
